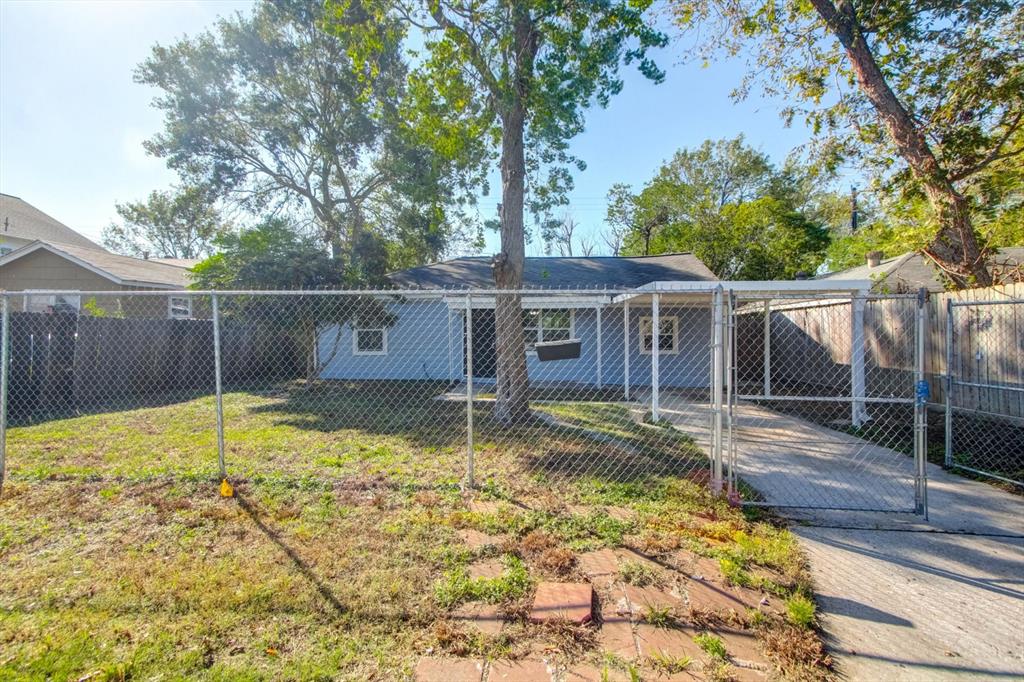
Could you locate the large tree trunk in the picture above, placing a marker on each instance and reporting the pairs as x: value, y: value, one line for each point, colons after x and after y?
x: 954, y: 248
x: 512, y: 403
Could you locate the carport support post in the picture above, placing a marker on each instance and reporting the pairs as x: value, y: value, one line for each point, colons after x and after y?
x: 625, y: 348
x: 215, y: 304
x: 469, y: 390
x: 600, y: 383
x: 767, y: 349
x: 921, y: 407
x: 949, y: 382
x: 858, y: 410
x: 717, y: 371
x: 5, y: 320
x: 655, y: 356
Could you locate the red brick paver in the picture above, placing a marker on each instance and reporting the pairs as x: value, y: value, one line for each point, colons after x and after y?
x: 601, y: 562
x: 519, y: 671
x: 484, y: 617
x: 572, y: 602
x: 477, y: 540
x: 709, y: 596
x: 590, y: 673
x: 489, y: 568
x: 743, y: 648
x: 448, y: 670
x: 639, y: 600
x: 675, y: 643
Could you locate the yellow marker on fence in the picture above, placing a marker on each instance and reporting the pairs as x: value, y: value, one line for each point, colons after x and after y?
x: 225, y: 489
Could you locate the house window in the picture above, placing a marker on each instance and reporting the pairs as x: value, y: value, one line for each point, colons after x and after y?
x: 52, y: 303
x: 547, y: 325
x: 179, y: 308
x: 369, y: 341
x: 668, y: 335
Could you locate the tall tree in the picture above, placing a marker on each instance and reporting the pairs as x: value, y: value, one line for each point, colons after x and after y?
x: 180, y: 224
x: 272, y: 111
x: 930, y: 93
x: 512, y: 78
x: 726, y: 203
x: 273, y: 255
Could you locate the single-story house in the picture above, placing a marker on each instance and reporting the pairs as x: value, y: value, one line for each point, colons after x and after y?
x: 41, y: 256
x: 910, y: 272
x: 40, y: 269
x: 426, y: 337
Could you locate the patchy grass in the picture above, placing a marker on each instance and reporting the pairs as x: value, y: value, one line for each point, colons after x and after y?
x: 712, y: 645
x: 800, y: 610
x: 339, y: 557
x: 457, y: 587
x: 637, y: 573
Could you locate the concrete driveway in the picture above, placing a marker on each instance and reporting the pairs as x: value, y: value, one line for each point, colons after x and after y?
x: 900, y: 598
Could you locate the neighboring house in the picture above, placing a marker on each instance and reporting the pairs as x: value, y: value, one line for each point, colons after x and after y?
x: 426, y: 339
x: 41, y: 256
x: 912, y: 271
x: 22, y: 223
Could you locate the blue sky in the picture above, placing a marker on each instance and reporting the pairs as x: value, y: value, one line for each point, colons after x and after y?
x: 72, y: 121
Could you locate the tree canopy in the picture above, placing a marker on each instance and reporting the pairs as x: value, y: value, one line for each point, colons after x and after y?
x: 512, y: 79
x: 182, y: 223
x: 275, y: 113
x: 928, y: 95
x: 728, y: 204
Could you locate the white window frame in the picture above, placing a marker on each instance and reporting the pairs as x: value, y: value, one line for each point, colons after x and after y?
x: 355, y: 340
x: 51, y: 298
x: 530, y: 348
x: 171, y: 306
x: 646, y: 327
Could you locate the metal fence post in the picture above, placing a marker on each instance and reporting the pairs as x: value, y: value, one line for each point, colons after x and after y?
x: 5, y: 335
x: 717, y: 369
x: 217, y: 379
x: 469, y: 391
x: 655, y: 357
x: 921, y: 407
x: 948, y: 421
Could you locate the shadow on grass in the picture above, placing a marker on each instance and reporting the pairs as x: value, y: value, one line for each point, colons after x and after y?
x: 300, y: 565
x: 568, y: 439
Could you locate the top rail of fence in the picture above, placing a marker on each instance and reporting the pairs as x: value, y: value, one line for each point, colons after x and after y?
x: 973, y: 304
x: 794, y: 288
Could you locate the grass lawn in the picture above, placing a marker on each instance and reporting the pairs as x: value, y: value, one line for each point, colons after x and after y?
x: 340, y: 555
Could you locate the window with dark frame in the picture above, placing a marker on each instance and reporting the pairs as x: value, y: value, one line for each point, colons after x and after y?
x: 541, y: 325
x: 668, y: 334
x: 370, y: 341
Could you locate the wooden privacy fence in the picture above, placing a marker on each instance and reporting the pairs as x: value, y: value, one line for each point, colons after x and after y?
x: 811, y: 344
x: 64, y: 363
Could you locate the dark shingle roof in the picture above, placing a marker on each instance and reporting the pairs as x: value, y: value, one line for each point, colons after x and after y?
x: 560, y: 273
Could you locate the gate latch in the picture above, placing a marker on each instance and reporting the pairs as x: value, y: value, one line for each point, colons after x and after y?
x: 922, y: 392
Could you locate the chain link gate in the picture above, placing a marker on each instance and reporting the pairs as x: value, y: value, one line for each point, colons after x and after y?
x: 827, y: 401
x: 984, y: 401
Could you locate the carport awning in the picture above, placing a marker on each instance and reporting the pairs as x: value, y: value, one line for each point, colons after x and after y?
x: 703, y: 292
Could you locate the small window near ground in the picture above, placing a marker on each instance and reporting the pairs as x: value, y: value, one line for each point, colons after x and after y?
x: 370, y: 341
x: 668, y: 336
x: 179, y: 308
x: 546, y: 325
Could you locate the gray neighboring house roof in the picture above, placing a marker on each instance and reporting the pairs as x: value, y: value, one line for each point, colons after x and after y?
x: 123, y: 270
x: 22, y: 220
x: 594, y: 272
x: 912, y: 271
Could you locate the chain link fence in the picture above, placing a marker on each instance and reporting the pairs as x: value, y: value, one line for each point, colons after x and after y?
x: 782, y: 399
x: 984, y: 396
